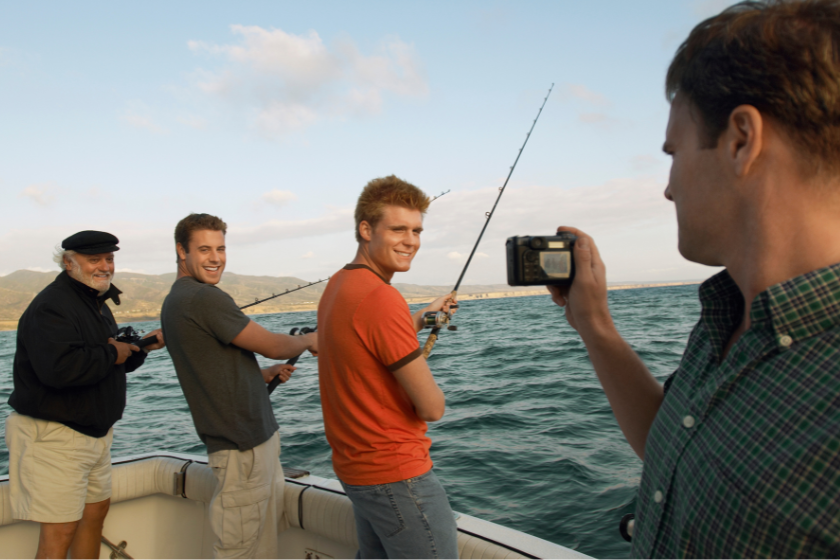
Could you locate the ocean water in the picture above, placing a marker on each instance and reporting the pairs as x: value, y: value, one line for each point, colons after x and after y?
x: 528, y: 439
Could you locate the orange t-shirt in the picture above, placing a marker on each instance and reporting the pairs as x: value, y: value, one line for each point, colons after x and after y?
x: 365, y: 332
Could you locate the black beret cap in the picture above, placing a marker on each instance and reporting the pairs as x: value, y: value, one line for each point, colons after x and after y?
x: 91, y: 243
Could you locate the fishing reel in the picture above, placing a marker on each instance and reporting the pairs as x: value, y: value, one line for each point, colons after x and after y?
x: 438, y: 320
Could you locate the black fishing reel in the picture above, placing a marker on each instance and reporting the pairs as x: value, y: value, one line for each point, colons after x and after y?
x: 129, y: 336
x: 438, y: 320
x: 291, y: 361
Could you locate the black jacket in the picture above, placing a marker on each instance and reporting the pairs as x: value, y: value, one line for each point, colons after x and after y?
x: 64, y: 368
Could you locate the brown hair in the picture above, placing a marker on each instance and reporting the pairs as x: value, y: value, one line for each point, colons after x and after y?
x: 781, y: 57
x: 196, y: 222
x: 387, y: 191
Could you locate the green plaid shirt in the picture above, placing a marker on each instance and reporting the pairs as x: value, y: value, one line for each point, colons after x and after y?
x: 743, y: 458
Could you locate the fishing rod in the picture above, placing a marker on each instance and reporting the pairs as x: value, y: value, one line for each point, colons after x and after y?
x: 440, y: 195
x: 291, y: 361
x: 288, y: 291
x: 437, y: 319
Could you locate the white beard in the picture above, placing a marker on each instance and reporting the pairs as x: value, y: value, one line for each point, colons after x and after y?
x: 101, y: 285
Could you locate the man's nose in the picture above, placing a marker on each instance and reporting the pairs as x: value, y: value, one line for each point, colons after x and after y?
x: 668, y: 192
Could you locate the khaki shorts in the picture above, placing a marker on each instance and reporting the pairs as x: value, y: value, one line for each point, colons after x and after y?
x: 55, y: 470
x: 246, y: 511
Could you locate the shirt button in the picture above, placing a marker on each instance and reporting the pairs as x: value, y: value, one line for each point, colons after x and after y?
x: 688, y: 421
x: 785, y: 340
x: 657, y: 496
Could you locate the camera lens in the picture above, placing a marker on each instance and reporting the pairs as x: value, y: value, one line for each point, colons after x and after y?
x: 537, y: 243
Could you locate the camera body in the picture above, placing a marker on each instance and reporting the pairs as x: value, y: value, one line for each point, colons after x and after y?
x: 545, y: 260
x: 130, y: 336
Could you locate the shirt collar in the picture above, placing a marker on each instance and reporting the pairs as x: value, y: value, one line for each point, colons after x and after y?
x: 795, y: 309
x: 358, y: 266
x: 113, y: 292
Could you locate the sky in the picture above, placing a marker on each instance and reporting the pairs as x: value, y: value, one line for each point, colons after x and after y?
x: 125, y: 117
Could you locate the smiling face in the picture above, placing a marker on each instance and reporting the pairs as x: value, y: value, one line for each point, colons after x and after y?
x: 393, y: 243
x: 94, y: 271
x: 699, y: 187
x: 206, y: 258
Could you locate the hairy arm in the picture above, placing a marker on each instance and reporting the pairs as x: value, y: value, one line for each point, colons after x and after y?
x: 274, y: 346
x: 633, y: 393
x: 417, y: 380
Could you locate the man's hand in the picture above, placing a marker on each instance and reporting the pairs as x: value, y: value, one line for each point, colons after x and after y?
x: 123, y: 350
x: 155, y: 345
x: 447, y: 304
x: 283, y: 370
x: 585, y: 300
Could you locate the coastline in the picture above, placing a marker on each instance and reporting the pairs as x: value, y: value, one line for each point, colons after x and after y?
x: 122, y: 317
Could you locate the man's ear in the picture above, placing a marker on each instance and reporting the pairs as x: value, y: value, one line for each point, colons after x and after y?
x: 182, y: 253
x: 68, y: 263
x: 365, y: 230
x: 743, y: 138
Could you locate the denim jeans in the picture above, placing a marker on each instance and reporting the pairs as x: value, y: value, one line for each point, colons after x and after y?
x: 406, y: 519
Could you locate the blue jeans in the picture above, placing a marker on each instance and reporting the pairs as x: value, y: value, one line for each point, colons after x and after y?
x: 406, y: 519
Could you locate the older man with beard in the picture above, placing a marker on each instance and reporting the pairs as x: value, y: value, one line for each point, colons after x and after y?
x: 69, y: 390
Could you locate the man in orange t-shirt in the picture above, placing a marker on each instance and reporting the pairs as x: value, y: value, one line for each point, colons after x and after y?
x: 377, y: 392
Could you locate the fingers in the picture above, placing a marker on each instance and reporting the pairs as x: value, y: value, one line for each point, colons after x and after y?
x: 558, y: 295
x: 134, y: 348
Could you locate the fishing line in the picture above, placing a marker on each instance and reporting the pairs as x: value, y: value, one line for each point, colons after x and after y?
x: 436, y: 320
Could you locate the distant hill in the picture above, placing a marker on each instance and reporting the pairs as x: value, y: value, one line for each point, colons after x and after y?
x: 143, y: 294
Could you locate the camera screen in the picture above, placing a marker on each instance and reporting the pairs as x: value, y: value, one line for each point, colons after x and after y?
x: 556, y: 264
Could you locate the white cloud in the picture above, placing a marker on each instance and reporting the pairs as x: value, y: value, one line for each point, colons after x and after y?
x: 138, y: 115
x: 278, y: 198
x: 335, y: 220
x: 583, y: 93
x: 454, y: 255
x: 42, y: 194
x: 193, y: 121
x: 307, y: 255
x: 288, y: 82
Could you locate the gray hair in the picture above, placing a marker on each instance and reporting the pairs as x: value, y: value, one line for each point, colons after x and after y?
x: 59, y: 254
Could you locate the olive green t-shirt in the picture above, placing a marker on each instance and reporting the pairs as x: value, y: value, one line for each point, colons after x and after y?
x: 223, y: 384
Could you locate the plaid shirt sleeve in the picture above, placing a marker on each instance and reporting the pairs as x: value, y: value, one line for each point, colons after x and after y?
x: 743, y: 458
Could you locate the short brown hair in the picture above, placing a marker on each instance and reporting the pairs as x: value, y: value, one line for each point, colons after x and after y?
x: 782, y: 57
x: 196, y: 222
x: 387, y: 191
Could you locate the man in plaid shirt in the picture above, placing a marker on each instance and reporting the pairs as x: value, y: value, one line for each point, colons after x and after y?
x: 741, y: 446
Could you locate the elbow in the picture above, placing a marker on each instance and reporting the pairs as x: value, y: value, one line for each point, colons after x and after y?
x: 431, y: 416
x: 432, y: 413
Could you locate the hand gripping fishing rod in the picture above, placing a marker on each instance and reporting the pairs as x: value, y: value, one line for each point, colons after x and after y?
x: 444, y: 319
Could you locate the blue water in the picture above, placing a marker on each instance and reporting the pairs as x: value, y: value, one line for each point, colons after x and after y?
x: 528, y: 439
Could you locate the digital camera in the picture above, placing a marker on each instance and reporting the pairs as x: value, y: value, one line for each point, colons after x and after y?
x: 130, y: 336
x: 544, y: 260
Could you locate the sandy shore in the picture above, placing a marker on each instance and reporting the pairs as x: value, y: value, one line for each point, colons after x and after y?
x: 266, y: 310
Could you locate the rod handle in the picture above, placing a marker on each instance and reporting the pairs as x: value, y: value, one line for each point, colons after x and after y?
x: 430, y: 342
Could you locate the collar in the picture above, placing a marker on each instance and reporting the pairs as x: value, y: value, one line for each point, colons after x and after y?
x: 358, y: 266
x: 113, y: 292
x: 795, y: 309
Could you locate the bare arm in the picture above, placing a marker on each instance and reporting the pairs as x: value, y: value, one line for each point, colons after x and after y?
x: 634, y: 394
x: 274, y: 346
x: 417, y: 380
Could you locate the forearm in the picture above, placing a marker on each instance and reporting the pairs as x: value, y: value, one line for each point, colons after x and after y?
x: 632, y: 391
x: 417, y: 317
x: 289, y: 346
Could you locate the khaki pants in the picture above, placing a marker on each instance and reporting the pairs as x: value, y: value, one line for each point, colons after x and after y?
x: 247, y: 507
x: 55, y: 470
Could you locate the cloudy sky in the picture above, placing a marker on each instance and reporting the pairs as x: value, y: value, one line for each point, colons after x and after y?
x: 125, y: 117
